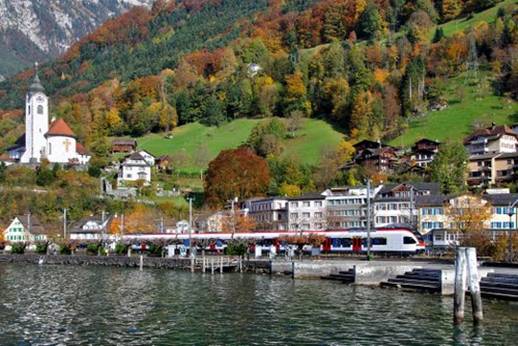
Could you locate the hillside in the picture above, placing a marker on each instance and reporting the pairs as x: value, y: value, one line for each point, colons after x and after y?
x: 40, y: 30
x: 470, y: 102
x: 202, y: 143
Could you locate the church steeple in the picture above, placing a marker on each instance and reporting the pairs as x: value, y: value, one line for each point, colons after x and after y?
x: 36, y: 83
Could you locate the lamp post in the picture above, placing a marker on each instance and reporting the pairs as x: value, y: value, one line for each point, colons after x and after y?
x: 510, y: 212
x: 368, y: 219
x: 190, y: 226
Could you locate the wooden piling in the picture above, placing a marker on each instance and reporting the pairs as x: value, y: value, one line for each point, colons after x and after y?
x: 141, y: 262
x: 240, y: 265
x: 192, y: 264
x: 474, y: 284
x: 460, y: 286
x: 221, y: 265
x: 203, y: 265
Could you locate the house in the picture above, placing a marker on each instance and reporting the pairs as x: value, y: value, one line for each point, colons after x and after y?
x: 268, y: 213
x: 124, y: 146
x: 150, y: 159
x: 494, y: 139
x: 307, y: 212
x: 208, y: 222
x: 134, y: 168
x: 395, y: 204
x: 164, y: 163
x: 25, y: 228
x: 375, y: 155
x: 91, y: 228
x: 347, y: 206
x: 424, y: 151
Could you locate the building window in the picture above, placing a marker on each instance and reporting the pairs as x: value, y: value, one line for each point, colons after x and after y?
x: 318, y: 215
x: 306, y: 204
x: 39, y: 110
x: 318, y: 203
x: 294, y: 204
x: 306, y: 215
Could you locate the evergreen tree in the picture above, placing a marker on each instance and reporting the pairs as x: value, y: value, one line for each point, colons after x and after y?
x: 370, y: 25
x: 438, y: 36
x: 449, y: 167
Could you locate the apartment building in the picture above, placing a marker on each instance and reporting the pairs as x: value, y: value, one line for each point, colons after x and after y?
x: 347, y: 206
x: 269, y: 213
x: 307, y: 212
x: 395, y: 204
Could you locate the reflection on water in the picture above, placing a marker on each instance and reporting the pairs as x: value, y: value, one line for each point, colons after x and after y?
x: 111, y: 306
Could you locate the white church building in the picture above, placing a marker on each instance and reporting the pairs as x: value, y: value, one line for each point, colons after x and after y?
x: 54, y: 142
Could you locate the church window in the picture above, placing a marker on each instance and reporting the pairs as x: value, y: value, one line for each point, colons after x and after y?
x: 40, y: 109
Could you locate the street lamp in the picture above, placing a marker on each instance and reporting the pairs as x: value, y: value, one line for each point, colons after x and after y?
x: 511, y: 212
x: 368, y: 219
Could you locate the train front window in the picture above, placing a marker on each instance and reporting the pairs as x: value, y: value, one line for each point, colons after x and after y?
x: 409, y: 240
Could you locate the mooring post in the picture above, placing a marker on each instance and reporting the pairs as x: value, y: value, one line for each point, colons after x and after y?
x: 192, y: 264
x: 474, y: 285
x: 221, y: 265
x: 240, y: 264
x: 460, y: 286
x: 293, y: 269
x: 212, y: 265
x: 141, y: 264
x: 203, y: 258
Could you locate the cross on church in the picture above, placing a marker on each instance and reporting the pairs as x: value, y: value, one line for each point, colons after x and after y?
x: 67, y: 144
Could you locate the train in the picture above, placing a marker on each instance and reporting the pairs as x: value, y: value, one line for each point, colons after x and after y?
x: 399, y: 241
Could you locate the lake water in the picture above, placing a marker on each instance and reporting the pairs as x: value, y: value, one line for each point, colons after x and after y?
x: 68, y: 305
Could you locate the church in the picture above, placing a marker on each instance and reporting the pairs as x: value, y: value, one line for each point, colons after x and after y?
x: 54, y: 142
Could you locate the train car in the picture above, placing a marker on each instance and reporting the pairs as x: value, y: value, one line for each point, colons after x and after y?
x: 383, y: 240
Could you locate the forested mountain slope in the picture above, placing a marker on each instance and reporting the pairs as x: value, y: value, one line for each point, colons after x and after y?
x: 37, y: 30
x: 212, y: 61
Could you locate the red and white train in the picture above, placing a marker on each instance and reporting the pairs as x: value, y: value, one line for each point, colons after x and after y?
x: 383, y: 240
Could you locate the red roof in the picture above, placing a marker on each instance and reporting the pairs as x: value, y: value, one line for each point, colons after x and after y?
x: 60, y: 128
x: 80, y: 149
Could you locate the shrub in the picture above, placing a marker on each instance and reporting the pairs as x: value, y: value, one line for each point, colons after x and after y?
x: 236, y: 249
x: 65, y: 249
x: 92, y: 248
x: 41, y: 248
x: 155, y: 249
x: 121, y: 249
x: 18, y: 248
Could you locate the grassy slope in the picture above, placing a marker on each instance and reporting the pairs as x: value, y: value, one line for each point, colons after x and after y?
x: 455, y: 122
x: 462, y: 24
x: 311, y: 139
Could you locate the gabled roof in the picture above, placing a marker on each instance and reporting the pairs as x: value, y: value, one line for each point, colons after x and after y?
x: 60, y: 128
x: 501, y: 199
x: 493, y: 132
x: 104, y: 225
x: 31, y: 222
x: 426, y: 140
x: 132, y: 142
x: 434, y: 188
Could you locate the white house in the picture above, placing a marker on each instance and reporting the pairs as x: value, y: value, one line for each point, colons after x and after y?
x: 25, y: 228
x: 57, y: 143
x: 150, y: 159
x: 91, y: 228
x: 134, y: 168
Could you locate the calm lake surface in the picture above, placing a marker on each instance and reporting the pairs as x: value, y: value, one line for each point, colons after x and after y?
x: 69, y: 305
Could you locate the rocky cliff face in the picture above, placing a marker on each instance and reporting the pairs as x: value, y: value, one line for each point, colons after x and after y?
x: 33, y: 30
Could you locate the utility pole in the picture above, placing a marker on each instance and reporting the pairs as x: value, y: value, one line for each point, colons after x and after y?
x: 64, y: 223
x: 190, y: 226
x: 412, y: 207
x: 368, y: 219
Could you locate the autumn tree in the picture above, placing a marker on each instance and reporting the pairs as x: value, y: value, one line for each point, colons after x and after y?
x: 237, y: 221
x: 236, y: 173
x: 468, y: 213
x: 370, y: 25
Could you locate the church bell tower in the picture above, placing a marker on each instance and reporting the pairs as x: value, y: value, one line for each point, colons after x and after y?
x: 36, y: 121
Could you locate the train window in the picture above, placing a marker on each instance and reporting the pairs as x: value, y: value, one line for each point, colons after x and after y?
x: 346, y: 242
x: 379, y: 241
x: 409, y: 240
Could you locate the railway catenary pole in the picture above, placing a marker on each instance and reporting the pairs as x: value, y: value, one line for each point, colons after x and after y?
x: 190, y: 226
x: 368, y: 219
